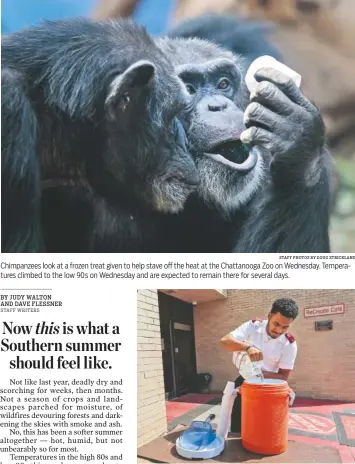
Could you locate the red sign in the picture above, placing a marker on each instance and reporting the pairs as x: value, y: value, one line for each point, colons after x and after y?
x: 311, y: 423
x: 325, y: 310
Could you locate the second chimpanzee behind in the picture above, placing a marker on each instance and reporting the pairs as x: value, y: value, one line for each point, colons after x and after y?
x: 262, y: 158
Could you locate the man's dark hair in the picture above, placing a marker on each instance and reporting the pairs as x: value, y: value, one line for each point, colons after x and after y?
x: 286, y: 307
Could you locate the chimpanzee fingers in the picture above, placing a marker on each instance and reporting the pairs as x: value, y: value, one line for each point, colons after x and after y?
x: 294, y: 117
x: 258, y: 115
x: 285, y: 84
x: 258, y: 136
x: 270, y: 96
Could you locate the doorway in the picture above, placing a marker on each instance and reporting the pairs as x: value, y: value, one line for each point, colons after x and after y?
x: 178, y: 345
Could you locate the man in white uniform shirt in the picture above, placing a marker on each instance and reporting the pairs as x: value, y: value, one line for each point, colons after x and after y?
x: 267, y: 341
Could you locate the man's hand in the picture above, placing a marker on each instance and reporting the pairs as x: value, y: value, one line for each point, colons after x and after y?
x: 255, y: 354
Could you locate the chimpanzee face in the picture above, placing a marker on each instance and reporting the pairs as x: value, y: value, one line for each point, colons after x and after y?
x: 229, y: 170
x: 143, y: 130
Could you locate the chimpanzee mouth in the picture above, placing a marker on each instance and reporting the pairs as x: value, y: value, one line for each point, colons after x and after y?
x: 234, y: 154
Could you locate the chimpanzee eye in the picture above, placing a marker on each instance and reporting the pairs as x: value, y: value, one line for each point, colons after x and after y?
x: 190, y: 88
x: 223, y: 84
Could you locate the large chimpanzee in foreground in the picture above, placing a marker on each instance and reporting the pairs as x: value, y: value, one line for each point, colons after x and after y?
x: 273, y: 197
x: 90, y: 136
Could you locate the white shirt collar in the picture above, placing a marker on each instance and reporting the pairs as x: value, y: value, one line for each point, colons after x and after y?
x: 262, y: 327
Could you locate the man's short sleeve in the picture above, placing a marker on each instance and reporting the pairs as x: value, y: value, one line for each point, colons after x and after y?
x: 288, y: 356
x: 243, y: 332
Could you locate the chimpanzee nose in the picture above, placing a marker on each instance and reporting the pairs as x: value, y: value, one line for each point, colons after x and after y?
x: 214, y: 104
x: 217, y: 106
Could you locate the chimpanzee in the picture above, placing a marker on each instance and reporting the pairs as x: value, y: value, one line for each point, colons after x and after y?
x: 262, y: 159
x: 270, y: 194
x: 91, y: 145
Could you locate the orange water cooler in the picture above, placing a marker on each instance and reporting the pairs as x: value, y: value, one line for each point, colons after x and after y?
x: 265, y: 415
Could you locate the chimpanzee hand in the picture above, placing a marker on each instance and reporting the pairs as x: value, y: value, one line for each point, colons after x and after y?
x: 280, y: 119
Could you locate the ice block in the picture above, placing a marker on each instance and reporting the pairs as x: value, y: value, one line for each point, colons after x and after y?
x: 269, y: 62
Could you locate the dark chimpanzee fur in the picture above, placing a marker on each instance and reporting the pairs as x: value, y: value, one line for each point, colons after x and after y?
x: 20, y: 179
x: 271, y: 195
x: 89, y: 129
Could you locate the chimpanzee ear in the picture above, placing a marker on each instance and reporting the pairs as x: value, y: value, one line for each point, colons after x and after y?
x: 138, y: 75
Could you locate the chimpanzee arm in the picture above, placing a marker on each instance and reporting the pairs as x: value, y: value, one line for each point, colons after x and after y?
x: 291, y: 213
x: 77, y: 220
x: 20, y: 186
x: 284, y: 221
x: 123, y: 229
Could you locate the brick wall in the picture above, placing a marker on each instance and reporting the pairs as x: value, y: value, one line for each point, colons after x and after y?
x: 325, y: 365
x: 151, y: 393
